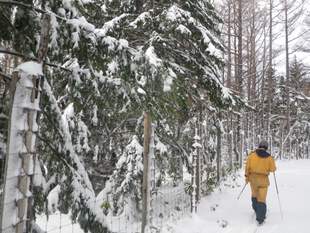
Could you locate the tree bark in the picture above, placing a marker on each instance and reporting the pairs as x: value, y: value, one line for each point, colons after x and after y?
x: 229, y: 47
x: 218, y: 148
x: 287, y: 70
x: 146, y: 167
x: 240, y: 58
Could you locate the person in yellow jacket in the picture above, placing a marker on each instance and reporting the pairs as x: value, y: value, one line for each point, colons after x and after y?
x: 258, y: 166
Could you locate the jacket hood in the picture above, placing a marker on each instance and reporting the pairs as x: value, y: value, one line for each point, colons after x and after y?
x: 262, y: 153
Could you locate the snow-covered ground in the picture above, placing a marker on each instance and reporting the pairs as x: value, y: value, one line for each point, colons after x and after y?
x: 169, y: 205
x: 58, y: 223
x: 221, y: 212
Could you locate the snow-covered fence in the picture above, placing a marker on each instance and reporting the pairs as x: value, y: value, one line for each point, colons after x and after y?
x: 169, y: 204
x: 19, y: 168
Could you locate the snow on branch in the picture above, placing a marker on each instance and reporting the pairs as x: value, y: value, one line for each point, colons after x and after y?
x: 180, y: 16
x: 110, y: 25
x: 152, y: 58
x: 31, y: 68
x: 141, y: 19
x: 14, y: 53
x: 83, y: 189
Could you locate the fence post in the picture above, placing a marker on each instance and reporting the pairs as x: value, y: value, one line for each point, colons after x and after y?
x: 20, y: 151
x: 146, y: 171
x: 12, y: 93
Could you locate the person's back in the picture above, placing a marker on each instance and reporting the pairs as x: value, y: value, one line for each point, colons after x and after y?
x: 259, y: 165
x: 260, y: 162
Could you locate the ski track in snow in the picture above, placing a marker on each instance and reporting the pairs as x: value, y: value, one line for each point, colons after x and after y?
x: 222, y: 206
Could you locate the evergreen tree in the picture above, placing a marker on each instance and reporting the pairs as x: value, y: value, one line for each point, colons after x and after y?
x: 165, y: 59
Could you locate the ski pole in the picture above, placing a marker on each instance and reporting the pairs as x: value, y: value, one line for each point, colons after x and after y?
x: 242, y: 191
x: 275, y: 180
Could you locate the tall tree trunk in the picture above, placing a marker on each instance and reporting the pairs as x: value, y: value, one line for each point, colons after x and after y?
x: 239, y: 65
x: 239, y: 79
x: 270, y: 88
x: 230, y: 140
x: 249, y: 64
x: 253, y: 53
x: 261, y: 118
x: 230, y: 85
x: 229, y: 47
x: 146, y: 171
x: 218, y: 147
x: 287, y: 69
x: 235, y: 47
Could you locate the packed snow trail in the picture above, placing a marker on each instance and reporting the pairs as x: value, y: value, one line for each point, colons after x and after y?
x: 221, y: 212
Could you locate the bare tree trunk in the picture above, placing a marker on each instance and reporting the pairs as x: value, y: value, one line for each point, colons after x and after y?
x: 146, y: 167
x: 253, y: 52
x: 253, y: 129
x: 235, y: 47
x: 230, y: 85
x: 281, y: 140
x: 287, y: 69
x: 218, y: 148
x: 242, y: 141
x: 239, y: 65
x: 239, y: 79
x: 229, y: 47
x: 230, y: 140
x: 270, y: 88
x: 262, y: 91
x: 308, y: 148
x: 195, y: 172
x: 249, y: 64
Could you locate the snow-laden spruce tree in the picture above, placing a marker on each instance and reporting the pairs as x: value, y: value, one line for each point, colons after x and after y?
x: 174, y: 66
x: 82, y: 105
x: 115, y: 60
x: 127, y: 177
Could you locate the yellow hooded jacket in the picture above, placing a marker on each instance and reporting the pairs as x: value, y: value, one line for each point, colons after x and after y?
x: 258, y: 166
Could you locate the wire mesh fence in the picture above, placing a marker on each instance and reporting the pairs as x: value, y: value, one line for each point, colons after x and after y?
x: 169, y: 203
x: 170, y: 206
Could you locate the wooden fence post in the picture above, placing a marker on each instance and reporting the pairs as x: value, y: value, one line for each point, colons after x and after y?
x: 20, y: 152
x: 21, y: 149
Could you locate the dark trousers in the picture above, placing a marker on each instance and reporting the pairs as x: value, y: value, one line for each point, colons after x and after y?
x: 260, y: 209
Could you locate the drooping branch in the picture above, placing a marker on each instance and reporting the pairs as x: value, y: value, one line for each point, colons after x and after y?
x: 14, y: 53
